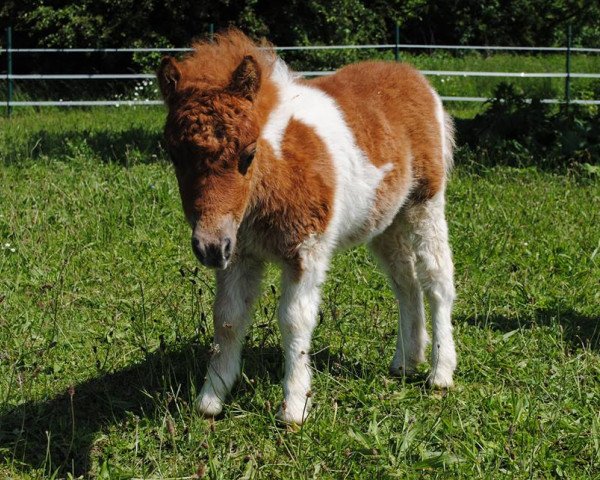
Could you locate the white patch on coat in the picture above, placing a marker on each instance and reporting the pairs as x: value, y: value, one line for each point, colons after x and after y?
x: 356, y: 178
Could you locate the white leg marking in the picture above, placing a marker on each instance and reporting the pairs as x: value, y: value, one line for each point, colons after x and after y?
x: 435, y: 272
x: 237, y: 288
x: 297, y: 319
x: 393, y: 249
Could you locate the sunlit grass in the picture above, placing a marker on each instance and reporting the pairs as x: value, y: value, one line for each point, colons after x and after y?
x: 105, y: 327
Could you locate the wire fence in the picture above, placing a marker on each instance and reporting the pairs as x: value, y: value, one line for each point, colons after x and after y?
x: 386, y: 46
x: 567, y: 75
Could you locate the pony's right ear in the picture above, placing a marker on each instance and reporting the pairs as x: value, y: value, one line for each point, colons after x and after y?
x: 245, y: 80
x: 168, y: 75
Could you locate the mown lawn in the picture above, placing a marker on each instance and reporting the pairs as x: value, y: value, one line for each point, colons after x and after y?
x: 105, y: 328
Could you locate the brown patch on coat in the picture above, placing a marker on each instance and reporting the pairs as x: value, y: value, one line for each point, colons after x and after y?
x: 293, y: 198
x: 391, y: 110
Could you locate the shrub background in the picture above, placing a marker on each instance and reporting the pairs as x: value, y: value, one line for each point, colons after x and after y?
x: 112, y: 23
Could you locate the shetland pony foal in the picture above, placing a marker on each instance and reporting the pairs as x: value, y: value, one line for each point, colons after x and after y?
x: 275, y: 168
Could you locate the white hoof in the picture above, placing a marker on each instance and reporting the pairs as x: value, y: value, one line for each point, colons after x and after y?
x: 208, y: 404
x: 294, y: 412
x: 440, y: 379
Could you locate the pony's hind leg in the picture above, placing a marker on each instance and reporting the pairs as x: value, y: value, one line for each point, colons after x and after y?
x: 435, y: 272
x: 394, y: 251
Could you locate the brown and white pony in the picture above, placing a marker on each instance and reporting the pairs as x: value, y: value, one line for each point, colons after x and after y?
x: 272, y: 167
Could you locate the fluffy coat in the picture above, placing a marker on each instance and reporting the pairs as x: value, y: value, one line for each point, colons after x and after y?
x: 272, y: 167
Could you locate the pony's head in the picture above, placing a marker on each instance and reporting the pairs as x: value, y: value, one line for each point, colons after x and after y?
x: 210, y: 135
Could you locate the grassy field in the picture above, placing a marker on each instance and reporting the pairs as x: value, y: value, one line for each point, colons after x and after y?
x: 105, y: 327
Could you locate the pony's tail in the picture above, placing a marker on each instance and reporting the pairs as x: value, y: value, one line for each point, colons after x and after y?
x: 449, y: 141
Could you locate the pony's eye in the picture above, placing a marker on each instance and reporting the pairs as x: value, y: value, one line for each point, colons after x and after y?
x: 220, y: 132
x: 246, y: 158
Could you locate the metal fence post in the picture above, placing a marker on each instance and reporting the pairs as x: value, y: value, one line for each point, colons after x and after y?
x: 9, y: 71
x: 211, y: 31
x: 397, y: 48
x: 568, y: 77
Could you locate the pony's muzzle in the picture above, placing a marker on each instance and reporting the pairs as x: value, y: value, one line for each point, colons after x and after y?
x: 214, y: 250
x: 212, y: 255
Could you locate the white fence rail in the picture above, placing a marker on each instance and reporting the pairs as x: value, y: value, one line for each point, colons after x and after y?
x: 131, y: 103
x: 447, y: 73
x: 10, y: 77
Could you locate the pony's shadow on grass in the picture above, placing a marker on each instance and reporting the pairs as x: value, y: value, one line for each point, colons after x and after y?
x: 577, y: 330
x: 58, y: 435
x: 125, y: 147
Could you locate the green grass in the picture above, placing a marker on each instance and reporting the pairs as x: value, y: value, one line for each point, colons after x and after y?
x: 105, y: 327
x: 124, y: 135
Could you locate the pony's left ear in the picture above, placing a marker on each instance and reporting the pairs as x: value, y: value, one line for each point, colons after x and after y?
x: 245, y: 80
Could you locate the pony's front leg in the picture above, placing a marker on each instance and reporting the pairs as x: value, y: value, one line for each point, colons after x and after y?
x: 297, y: 319
x: 237, y: 288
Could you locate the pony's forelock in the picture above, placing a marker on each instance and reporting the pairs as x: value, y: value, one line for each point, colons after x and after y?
x: 213, y: 61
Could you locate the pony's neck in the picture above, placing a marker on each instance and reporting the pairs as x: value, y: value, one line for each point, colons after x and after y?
x: 294, y: 175
x: 269, y: 94
x: 272, y: 176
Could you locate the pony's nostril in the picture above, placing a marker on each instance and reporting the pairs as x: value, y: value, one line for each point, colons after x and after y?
x: 227, y: 248
x: 196, y: 247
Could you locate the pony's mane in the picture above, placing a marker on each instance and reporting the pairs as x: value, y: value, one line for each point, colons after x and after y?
x: 212, y: 62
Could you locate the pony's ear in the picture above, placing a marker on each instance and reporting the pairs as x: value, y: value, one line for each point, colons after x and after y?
x: 245, y: 79
x: 168, y: 75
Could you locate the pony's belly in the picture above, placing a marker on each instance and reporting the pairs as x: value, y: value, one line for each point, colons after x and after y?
x: 363, y: 218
